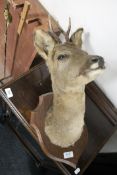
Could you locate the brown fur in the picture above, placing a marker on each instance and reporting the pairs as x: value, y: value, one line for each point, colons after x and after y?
x: 71, y: 69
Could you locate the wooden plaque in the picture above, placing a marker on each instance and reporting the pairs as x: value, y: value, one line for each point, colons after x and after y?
x: 54, y: 152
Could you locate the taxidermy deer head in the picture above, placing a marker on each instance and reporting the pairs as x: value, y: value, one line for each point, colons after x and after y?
x: 71, y: 69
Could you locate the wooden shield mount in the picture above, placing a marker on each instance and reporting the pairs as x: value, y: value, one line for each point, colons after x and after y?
x: 68, y: 155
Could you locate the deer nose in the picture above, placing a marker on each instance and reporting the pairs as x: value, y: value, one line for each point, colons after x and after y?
x: 96, y: 59
x: 99, y: 60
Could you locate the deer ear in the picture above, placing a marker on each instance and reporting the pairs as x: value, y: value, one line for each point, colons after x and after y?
x: 43, y: 43
x: 76, y: 37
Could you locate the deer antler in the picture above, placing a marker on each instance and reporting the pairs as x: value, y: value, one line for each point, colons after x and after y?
x: 51, y: 31
x: 69, y: 28
x: 53, y: 34
x: 66, y: 34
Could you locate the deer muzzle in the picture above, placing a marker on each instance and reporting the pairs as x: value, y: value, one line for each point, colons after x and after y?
x: 97, y: 62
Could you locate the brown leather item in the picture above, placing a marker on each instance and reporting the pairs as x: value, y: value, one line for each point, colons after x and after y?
x: 52, y: 151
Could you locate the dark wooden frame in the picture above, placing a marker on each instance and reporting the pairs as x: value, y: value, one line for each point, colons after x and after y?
x: 101, y: 100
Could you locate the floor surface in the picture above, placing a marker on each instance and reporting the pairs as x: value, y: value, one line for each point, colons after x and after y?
x: 15, y: 161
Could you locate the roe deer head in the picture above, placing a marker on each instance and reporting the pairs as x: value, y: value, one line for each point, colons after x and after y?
x: 71, y: 69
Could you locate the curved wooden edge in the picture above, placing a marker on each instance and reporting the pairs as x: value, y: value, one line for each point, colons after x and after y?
x: 46, y: 151
x: 100, y: 99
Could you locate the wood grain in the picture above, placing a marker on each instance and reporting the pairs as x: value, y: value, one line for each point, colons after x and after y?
x: 2, y: 39
x: 25, y: 52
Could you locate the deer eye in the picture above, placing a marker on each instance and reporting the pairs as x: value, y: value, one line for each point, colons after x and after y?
x: 62, y: 57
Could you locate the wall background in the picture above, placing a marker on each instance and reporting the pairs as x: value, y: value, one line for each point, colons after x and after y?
x: 99, y: 20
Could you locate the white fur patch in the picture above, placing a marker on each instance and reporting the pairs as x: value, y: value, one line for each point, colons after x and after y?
x: 94, y: 66
x: 94, y: 73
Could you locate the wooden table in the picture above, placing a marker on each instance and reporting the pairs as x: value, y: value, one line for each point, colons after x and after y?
x: 101, y: 118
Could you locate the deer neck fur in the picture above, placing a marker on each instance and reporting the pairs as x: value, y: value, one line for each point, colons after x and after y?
x: 65, y: 120
x: 69, y: 104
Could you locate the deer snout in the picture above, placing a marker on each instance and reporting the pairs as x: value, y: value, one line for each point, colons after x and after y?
x: 97, y: 62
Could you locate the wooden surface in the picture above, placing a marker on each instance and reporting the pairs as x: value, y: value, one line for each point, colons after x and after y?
x: 26, y: 90
x: 102, y: 102
x: 2, y: 39
x: 20, y: 50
